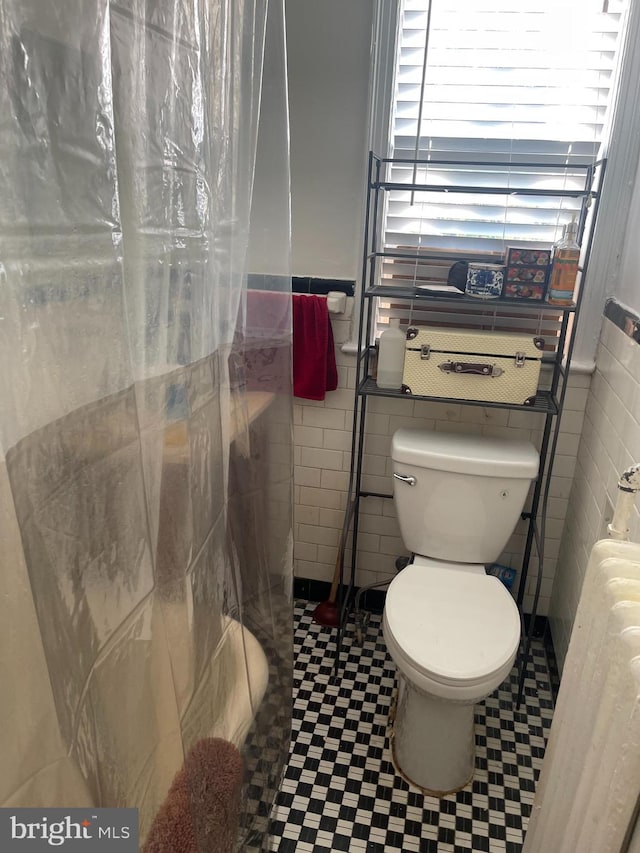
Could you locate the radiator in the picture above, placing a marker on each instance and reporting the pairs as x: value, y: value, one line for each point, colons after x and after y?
x: 589, y: 786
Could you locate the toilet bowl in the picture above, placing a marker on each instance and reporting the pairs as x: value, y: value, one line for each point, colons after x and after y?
x: 452, y: 630
x: 453, y: 633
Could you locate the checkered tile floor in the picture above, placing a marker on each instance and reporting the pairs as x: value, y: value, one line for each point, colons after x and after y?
x: 340, y: 791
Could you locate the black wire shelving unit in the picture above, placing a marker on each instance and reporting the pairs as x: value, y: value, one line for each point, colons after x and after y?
x: 549, y: 402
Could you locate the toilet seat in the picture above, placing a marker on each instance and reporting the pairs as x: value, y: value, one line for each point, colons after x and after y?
x: 453, y: 632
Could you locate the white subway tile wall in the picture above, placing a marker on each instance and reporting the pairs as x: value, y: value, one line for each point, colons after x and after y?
x: 609, y: 443
x: 322, y: 453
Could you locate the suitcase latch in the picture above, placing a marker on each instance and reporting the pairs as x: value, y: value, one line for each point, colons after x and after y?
x: 425, y: 352
x: 520, y: 359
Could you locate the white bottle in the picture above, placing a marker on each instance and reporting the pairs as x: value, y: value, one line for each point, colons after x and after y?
x: 391, y: 357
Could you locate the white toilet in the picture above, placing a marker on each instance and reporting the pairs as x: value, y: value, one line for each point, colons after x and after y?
x: 452, y: 630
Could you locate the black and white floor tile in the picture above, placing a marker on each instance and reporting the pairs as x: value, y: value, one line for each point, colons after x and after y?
x: 340, y: 791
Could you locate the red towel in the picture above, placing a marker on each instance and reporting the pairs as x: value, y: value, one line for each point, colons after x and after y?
x: 314, y: 358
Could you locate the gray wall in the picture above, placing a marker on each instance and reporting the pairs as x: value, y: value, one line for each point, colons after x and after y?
x: 328, y: 51
x: 628, y: 285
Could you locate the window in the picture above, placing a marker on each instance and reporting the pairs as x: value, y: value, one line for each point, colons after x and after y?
x: 503, y: 82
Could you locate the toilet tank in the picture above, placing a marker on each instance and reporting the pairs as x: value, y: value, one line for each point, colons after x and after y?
x: 464, y: 493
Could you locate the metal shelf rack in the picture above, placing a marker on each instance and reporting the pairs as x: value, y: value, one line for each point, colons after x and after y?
x: 548, y: 402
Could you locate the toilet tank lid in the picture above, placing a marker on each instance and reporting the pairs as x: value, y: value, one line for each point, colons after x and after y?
x: 480, y: 455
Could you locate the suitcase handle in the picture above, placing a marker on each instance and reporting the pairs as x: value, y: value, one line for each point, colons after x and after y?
x: 470, y: 367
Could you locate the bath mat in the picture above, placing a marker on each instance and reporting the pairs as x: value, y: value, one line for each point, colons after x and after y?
x: 202, y: 809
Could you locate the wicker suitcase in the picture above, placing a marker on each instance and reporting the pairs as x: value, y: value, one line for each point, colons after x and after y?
x: 472, y: 365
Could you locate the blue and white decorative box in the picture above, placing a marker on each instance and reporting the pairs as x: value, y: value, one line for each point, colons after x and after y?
x: 484, y: 281
x: 504, y: 573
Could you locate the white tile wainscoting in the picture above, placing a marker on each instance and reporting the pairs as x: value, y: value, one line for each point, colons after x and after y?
x: 609, y: 443
x: 322, y: 453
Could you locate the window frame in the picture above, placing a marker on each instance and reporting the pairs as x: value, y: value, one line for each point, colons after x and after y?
x: 622, y: 151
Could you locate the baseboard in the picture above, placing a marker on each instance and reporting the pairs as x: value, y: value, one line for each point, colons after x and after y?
x: 373, y: 601
x: 539, y: 626
x: 312, y: 590
x: 552, y: 662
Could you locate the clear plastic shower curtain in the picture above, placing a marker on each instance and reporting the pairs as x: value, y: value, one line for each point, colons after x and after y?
x: 145, y: 399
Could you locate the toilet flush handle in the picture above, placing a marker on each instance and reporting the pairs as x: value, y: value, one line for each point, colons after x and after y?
x: 410, y: 481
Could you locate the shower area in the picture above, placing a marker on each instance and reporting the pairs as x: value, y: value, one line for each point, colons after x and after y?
x: 145, y: 398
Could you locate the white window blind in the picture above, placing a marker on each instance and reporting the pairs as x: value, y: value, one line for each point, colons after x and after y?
x: 506, y: 82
